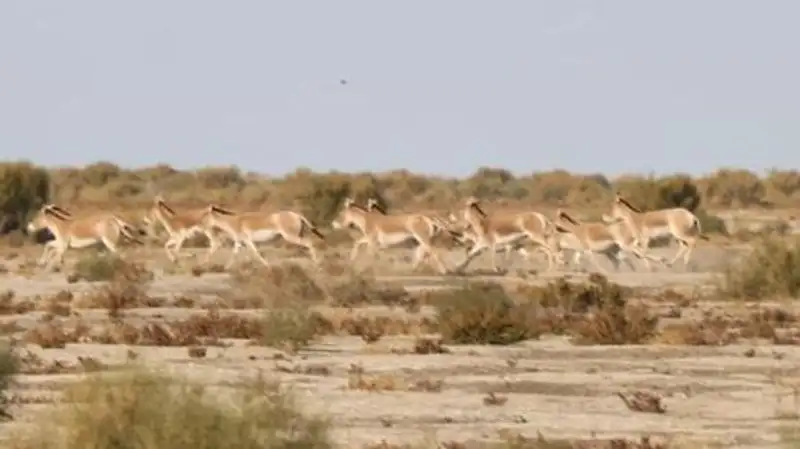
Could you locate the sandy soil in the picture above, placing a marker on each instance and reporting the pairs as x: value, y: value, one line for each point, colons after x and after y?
x: 715, y: 395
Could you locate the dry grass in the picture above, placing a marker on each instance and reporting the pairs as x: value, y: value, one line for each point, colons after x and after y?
x: 143, y: 410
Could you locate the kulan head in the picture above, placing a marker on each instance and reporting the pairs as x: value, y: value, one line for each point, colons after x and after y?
x: 44, y: 217
x: 346, y: 216
x: 621, y: 208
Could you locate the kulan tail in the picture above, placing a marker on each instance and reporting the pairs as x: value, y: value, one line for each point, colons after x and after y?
x: 699, y: 229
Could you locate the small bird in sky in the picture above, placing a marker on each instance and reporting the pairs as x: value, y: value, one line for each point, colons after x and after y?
x: 342, y: 81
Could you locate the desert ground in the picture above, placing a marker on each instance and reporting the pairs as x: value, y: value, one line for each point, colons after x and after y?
x: 739, y: 394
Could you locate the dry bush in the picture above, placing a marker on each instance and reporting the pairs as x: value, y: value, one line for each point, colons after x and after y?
x: 213, y: 326
x: 352, y: 322
x: 207, y: 329
x: 594, y: 312
x: 197, y: 352
x: 766, y: 323
x: 483, y: 313
x: 611, y: 320
x: 55, y: 333
x: 643, y: 402
x: 59, y: 304
x: 288, y: 283
x: 429, y: 346
x: 144, y: 410
x: 572, y: 297
x: 10, y: 305
x: 493, y: 399
x: 713, y: 331
x: 770, y: 270
x: 616, y: 324
x: 358, y: 290
x: 9, y: 367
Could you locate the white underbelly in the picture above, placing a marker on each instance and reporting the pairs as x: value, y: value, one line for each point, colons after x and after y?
x: 603, y: 246
x: 77, y: 242
x: 264, y: 235
x: 509, y: 239
x: 394, y: 239
x: 659, y: 232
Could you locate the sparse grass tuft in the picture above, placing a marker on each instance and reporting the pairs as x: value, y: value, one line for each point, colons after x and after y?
x: 771, y: 270
x: 143, y: 410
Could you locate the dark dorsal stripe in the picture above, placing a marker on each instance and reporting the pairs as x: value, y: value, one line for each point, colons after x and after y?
x: 354, y: 205
x: 567, y: 217
x: 562, y: 229
x: 378, y: 208
x: 163, y: 205
x: 628, y: 204
x: 56, y: 212
x: 61, y: 210
x: 221, y: 210
x: 478, y: 209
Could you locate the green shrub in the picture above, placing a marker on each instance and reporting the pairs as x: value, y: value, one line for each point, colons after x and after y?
x: 275, y: 286
x: 711, y: 224
x: 144, y: 410
x: 291, y: 327
x: 104, y: 266
x: 771, y: 269
x: 659, y: 193
x: 24, y: 188
x: 9, y: 366
x: 483, y: 313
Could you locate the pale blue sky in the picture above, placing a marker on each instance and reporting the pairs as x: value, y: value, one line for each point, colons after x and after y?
x: 439, y: 86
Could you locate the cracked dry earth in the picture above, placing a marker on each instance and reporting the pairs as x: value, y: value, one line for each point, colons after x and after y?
x: 733, y: 396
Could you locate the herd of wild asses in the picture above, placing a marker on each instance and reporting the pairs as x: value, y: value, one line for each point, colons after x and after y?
x: 625, y: 231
